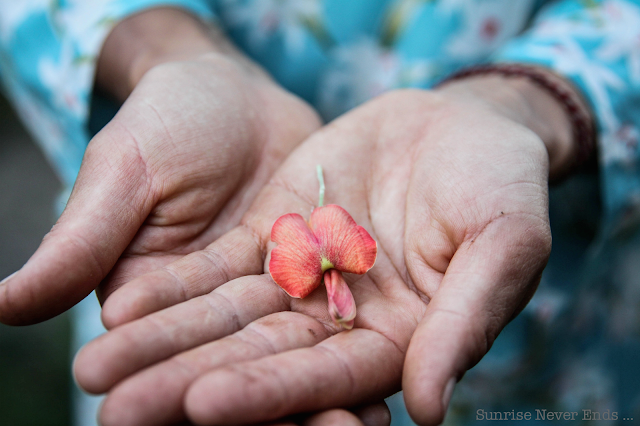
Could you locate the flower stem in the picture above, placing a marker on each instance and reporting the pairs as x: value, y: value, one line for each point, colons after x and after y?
x: 321, y: 182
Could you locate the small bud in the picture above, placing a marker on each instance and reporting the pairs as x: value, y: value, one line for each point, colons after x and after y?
x: 342, y: 306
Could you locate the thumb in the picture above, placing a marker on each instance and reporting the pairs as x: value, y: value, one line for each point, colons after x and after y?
x: 109, y: 202
x: 487, y: 281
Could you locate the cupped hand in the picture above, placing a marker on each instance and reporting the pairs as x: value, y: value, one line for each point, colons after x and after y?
x: 175, y: 169
x: 452, y: 186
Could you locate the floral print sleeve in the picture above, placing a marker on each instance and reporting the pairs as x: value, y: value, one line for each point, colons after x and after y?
x: 597, y: 45
x: 48, y: 52
x: 575, y: 346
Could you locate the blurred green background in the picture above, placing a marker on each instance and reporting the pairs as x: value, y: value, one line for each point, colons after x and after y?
x: 35, y: 377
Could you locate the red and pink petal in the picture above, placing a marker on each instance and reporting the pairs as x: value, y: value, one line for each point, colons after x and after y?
x: 348, y: 246
x: 295, y: 263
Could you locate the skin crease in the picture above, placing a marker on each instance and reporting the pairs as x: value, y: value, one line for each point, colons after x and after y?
x: 156, y: 183
x: 452, y: 184
x: 444, y: 183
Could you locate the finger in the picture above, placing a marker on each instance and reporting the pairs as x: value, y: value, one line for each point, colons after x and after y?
x: 129, y: 267
x: 369, y: 415
x: 279, y: 423
x: 110, y: 200
x: 154, y: 396
x: 235, y: 254
x: 335, y: 417
x: 131, y: 347
x: 485, y: 283
x: 374, y: 414
x: 346, y: 369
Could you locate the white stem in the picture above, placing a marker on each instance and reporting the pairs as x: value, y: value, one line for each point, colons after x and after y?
x: 321, y: 182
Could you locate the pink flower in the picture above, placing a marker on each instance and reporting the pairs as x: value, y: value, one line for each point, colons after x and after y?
x: 308, y: 253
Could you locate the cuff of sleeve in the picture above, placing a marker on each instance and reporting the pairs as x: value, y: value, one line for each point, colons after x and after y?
x: 583, y: 45
x: 586, y: 46
x: 523, y: 51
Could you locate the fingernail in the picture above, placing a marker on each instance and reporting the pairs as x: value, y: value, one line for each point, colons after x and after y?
x: 448, y: 391
x: 7, y: 279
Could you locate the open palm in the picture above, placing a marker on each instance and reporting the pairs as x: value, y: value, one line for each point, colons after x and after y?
x: 455, y: 195
x: 176, y: 168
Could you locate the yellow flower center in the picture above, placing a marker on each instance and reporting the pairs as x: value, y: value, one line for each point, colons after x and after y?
x: 325, y: 264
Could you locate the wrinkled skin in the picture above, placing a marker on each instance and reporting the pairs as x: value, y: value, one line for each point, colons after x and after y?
x: 455, y: 194
x: 176, y: 168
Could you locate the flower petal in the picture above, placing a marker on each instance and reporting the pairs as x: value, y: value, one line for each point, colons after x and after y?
x: 342, y: 306
x: 346, y: 245
x: 295, y: 263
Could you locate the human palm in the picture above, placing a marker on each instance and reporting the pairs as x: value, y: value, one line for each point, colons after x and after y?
x: 176, y: 168
x: 455, y: 194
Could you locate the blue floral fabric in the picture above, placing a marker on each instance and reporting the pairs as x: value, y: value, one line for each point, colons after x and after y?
x: 576, y: 345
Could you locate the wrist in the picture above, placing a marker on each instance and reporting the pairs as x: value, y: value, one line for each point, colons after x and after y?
x: 542, y: 110
x: 150, y: 38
